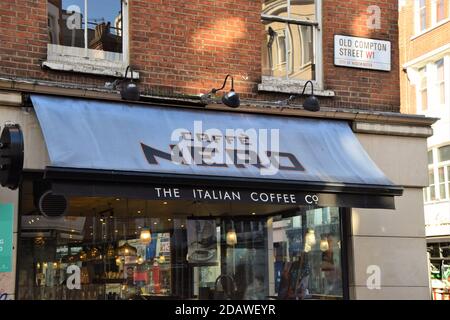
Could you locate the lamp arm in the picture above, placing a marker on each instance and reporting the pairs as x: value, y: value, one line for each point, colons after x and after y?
x: 224, y: 84
x: 312, y: 87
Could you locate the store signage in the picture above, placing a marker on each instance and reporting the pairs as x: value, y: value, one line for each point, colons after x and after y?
x: 362, y: 53
x: 214, y: 194
x: 6, y: 237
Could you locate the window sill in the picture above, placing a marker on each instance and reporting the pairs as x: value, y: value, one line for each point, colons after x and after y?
x: 291, y: 86
x: 96, y: 62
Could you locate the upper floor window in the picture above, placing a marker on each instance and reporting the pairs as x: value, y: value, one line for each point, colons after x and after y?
x: 444, y: 153
x: 291, y: 39
x: 440, y: 10
x: 423, y: 89
x: 430, y: 192
x: 440, y: 81
x: 430, y: 157
x: 94, y: 30
x: 422, y: 15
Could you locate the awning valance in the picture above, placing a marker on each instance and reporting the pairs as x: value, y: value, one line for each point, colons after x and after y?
x: 101, y: 144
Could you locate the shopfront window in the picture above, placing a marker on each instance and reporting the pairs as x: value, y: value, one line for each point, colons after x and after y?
x: 116, y: 248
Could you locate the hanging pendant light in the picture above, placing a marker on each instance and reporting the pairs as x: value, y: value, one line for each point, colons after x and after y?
x: 140, y: 260
x: 162, y: 259
x: 146, y: 236
x: 310, y: 237
x: 231, y: 237
x: 94, y: 253
x: 324, y: 246
x: 82, y: 255
x: 110, y: 251
x: 126, y: 250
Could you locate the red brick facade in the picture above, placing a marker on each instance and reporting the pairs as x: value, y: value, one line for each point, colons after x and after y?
x: 186, y: 47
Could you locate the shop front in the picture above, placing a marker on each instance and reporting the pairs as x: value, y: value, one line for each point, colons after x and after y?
x: 147, y: 202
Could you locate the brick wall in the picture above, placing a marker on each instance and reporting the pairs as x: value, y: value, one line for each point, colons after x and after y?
x: 188, y: 46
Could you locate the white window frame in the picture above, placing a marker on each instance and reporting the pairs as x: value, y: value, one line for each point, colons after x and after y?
x: 90, y: 61
x: 420, y: 88
x: 417, y: 20
x: 438, y: 83
x: 296, y: 85
x: 431, y: 168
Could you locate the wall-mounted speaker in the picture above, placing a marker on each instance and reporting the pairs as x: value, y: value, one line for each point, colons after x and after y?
x: 50, y: 205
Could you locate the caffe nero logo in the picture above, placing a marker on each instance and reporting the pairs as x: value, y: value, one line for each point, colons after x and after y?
x: 257, y: 148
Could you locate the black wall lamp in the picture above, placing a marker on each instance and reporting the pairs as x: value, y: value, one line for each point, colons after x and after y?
x: 311, y: 103
x: 11, y: 156
x: 231, y: 98
x: 129, y: 90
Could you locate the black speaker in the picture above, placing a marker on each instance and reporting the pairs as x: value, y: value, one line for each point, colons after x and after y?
x: 49, y: 205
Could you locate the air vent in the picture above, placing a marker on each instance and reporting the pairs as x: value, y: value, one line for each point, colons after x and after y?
x: 51, y: 205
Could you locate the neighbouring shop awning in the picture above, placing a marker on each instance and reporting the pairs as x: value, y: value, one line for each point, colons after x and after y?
x: 105, y: 148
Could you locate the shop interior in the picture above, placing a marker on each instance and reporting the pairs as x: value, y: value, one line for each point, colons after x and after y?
x: 115, y: 248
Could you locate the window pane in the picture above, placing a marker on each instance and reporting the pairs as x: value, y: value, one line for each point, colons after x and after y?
x: 441, y: 175
x: 424, y: 98
x: 301, y: 64
x: 440, y: 70
x: 442, y: 191
x: 423, y: 15
x: 440, y: 80
x: 440, y: 10
x: 277, y: 8
x: 105, y: 25
x: 423, y: 88
x: 303, y: 9
x: 430, y: 177
x: 307, y: 247
x: 274, y: 50
x: 66, y: 22
x: 430, y: 157
x: 444, y: 153
x: 441, y: 183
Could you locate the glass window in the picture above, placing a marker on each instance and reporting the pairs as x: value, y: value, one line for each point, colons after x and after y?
x: 97, y: 26
x: 115, y: 248
x: 431, y: 186
x: 430, y: 157
x: 423, y: 89
x: 444, y: 153
x: 440, y: 81
x: 440, y: 10
x: 294, y: 22
x: 442, y: 183
x: 422, y: 14
x: 447, y: 168
x: 307, y: 252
